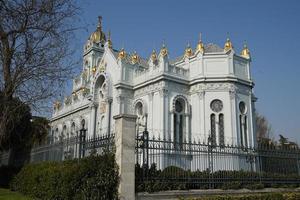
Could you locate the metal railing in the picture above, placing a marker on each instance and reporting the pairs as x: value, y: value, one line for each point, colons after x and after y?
x: 207, y: 165
x: 73, y: 147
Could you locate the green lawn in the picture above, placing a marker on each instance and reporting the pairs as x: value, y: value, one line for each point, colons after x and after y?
x: 6, y: 194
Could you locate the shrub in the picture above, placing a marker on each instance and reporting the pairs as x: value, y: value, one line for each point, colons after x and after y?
x: 94, y: 177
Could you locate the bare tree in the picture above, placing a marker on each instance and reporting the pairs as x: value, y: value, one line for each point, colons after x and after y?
x: 35, y: 52
x: 263, y: 128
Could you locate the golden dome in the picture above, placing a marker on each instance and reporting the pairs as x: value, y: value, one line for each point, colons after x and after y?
x: 153, y: 56
x: 188, y: 51
x: 98, y: 35
x: 134, y: 58
x: 122, y: 54
x: 228, y: 45
x: 164, y: 50
x: 245, y: 52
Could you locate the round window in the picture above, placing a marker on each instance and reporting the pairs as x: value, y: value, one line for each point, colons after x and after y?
x: 216, y: 105
x: 242, y: 107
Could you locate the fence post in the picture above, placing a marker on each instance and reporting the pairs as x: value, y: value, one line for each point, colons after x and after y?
x: 125, y: 158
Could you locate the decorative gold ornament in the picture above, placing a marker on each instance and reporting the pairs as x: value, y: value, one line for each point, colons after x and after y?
x: 200, y: 45
x: 188, y: 51
x: 245, y: 52
x: 153, y: 56
x: 228, y: 45
x: 122, y: 54
x: 164, y: 50
x: 98, y: 35
x: 94, y: 69
x: 134, y: 58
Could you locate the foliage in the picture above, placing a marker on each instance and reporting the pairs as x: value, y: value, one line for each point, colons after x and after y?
x: 175, y: 178
x: 94, y: 177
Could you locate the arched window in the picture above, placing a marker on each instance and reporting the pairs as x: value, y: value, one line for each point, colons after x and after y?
x: 243, y: 124
x: 178, y: 123
x: 213, y: 128
x: 56, y: 135
x: 140, y: 123
x: 64, y: 132
x: 216, y: 106
x: 221, y: 130
x: 73, y: 129
x: 241, y: 130
x: 245, y: 131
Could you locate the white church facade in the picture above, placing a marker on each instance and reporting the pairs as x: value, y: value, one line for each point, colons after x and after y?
x: 208, y: 91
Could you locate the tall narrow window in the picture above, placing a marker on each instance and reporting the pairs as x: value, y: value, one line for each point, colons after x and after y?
x: 243, y: 124
x: 73, y: 129
x: 213, y: 128
x: 241, y: 131
x: 179, y: 122
x: 221, y: 130
x: 245, y: 131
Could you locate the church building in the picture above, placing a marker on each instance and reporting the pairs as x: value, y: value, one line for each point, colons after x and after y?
x: 206, y: 92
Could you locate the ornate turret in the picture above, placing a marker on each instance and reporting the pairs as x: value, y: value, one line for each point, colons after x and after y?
x: 122, y: 54
x: 200, y: 45
x: 228, y: 45
x: 164, y: 50
x: 188, y: 51
x: 245, y: 52
x: 98, y: 35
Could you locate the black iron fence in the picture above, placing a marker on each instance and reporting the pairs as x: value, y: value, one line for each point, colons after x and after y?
x: 193, y: 165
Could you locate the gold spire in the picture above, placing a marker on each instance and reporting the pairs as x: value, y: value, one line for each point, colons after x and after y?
x: 153, y: 56
x: 122, y: 54
x: 134, y: 58
x: 228, y: 45
x: 109, y: 40
x: 200, y: 45
x: 188, y: 51
x: 98, y: 35
x: 164, y: 50
x: 245, y: 52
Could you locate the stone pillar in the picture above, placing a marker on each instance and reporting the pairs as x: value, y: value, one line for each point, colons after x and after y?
x: 92, y: 122
x: 125, y: 154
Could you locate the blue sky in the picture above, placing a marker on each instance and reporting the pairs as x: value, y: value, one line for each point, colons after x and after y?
x: 270, y: 28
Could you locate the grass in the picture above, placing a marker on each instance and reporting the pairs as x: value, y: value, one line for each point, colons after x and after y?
x: 6, y: 194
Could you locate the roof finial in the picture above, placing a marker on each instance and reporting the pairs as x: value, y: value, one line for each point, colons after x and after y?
x: 109, y: 40
x: 245, y: 52
x: 164, y: 50
x: 188, y: 50
x: 228, y: 45
x: 99, y: 22
x: 200, y: 45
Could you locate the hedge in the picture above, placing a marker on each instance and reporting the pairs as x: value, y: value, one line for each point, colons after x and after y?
x: 266, y: 196
x: 94, y: 177
x: 175, y: 178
